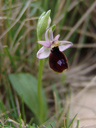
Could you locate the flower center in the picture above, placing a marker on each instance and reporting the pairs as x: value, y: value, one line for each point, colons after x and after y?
x: 55, y: 44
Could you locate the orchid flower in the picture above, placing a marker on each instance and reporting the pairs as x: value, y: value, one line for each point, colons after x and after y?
x: 53, y: 48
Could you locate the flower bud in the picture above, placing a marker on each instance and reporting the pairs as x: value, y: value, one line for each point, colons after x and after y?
x: 43, y: 23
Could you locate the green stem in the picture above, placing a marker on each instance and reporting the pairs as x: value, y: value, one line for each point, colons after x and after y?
x: 39, y: 89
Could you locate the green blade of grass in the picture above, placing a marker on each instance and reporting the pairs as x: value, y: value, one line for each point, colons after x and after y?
x: 23, y: 110
x: 20, y: 121
x: 72, y: 121
x: 10, y: 57
x: 2, y: 109
x: 56, y: 7
x: 45, y: 4
x: 77, y: 124
x: 9, y: 95
x: 67, y: 118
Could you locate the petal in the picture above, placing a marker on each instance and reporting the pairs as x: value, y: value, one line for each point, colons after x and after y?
x: 56, y: 37
x: 49, y: 22
x: 47, y: 44
x: 66, y: 42
x: 43, y: 53
x: 46, y: 35
x: 65, y: 45
x: 49, y: 35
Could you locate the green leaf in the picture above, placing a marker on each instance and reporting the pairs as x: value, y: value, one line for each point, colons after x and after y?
x: 26, y: 85
x: 51, y: 124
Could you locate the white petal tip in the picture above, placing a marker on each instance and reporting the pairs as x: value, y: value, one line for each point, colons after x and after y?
x: 43, y: 53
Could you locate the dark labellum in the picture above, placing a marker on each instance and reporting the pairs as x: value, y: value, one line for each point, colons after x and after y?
x: 57, y: 60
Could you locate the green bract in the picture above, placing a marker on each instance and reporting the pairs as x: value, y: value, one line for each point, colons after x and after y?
x: 53, y: 27
x: 43, y: 23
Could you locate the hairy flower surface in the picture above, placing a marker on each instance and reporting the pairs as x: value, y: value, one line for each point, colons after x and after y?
x: 53, y: 48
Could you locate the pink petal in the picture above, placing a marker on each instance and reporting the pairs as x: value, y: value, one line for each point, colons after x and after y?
x: 47, y: 44
x: 46, y: 35
x: 66, y: 42
x: 65, y: 45
x: 56, y: 37
x: 49, y: 35
x: 43, y: 53
x: 49, y: 22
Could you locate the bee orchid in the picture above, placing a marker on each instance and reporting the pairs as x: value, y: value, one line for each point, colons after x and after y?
x: 53, y: 48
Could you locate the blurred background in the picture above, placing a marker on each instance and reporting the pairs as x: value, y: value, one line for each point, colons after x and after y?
x: 67, y: 94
